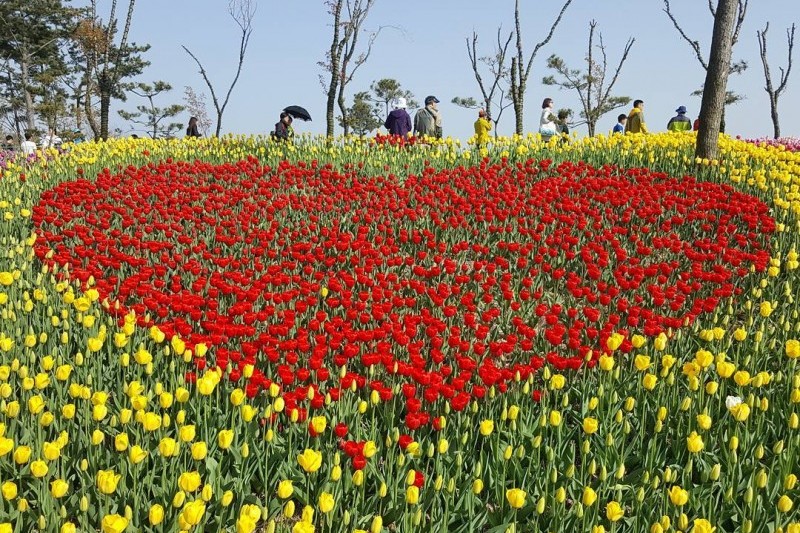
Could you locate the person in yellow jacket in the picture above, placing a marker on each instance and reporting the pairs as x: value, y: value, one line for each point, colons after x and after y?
x: 482, y: 128
x: 635, y: 122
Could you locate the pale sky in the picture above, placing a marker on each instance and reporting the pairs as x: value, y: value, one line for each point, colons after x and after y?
x: 428, y: 56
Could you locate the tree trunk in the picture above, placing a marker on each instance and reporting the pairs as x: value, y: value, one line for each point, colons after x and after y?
x: 516, y: 96
x: 219, y: 124
x: 714, y: 89
x: 30, y: 115
x: 776, y: 124
x: 90, y: 118
x: 343, y: 110
x: 592, y: 125
x: 105, y: 107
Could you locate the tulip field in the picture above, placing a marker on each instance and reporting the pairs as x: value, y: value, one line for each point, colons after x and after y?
x: 362, y: 335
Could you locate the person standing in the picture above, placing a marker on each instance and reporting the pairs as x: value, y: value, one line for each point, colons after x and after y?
x: 563, y: 124
x: 27, y: 147
x: 191, y: 130
x: 619, y: 127
x: 8, y: 145
x: 428, y: 120
x: 283, y: 129
x: 636, y: 122
x: 679, y: 122
x: 399, y: 121
x: 51, y: 140
x: 547, y: 120
x: 482, y: 128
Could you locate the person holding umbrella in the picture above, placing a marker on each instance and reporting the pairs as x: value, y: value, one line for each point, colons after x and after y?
x: 283, y: 129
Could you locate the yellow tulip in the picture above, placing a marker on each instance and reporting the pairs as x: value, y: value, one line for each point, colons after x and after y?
x: 793, y: 349
x: 136, y: 454
x: 486, y: 427
x: 193, y: 512
x: 589, y: 496
x: 187, y: 433
x: 285, y: 489
x: 614, y: 511
x: 225, y: 439
x: 310, y: 460
x: 107, y: 481
x: 168, y: 447
x: 678, y: 496
x: 701, y: 525
x: 326, y: 502
x: 114, y: 523
x: 189, y: 481
x: 516, y: 498
x: 785, y: 504
x: 412, y: 495
x: 58, y: 488
x: 9, y: 490
x: 694, y: 443
x: 156, y: 514
x: 21, y: 454
x: 39, y: 469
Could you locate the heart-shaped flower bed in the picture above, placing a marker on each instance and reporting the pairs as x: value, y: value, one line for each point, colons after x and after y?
x: 444, y: 284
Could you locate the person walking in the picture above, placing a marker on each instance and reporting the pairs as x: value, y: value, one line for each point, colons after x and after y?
x: 636, y: 122
x: 619, y: 127
x: 680, y: 122
x: 283, y: 129
x: 191, y: 130
x: 399, y: 121
x: 482, y: 128
x: 547, y: 120
x: 428, y: 120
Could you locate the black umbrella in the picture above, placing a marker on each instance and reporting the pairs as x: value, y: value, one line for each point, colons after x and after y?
x: 297, y: 112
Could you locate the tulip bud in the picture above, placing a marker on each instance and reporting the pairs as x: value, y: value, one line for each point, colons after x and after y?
x: 715, y: 472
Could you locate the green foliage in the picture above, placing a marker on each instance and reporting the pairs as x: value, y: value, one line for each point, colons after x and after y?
x: 386, y: 90
x: 151, y: 117
x: 361, y: 116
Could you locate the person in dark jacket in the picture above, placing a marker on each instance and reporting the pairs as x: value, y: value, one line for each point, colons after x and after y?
x: 283, y: 129
x: 398, y: 122
x: 192, y: 130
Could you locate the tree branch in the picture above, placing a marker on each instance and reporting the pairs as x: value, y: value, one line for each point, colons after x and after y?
x: 546, y: 40
x: 694, y: 44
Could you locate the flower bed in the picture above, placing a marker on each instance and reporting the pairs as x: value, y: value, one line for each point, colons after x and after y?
x: 235, y: 335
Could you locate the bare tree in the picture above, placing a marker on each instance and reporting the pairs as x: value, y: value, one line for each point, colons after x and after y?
x: 520, y: 70
x: 498, y: 72
x: 715, y: 87
x: 196, y: 106
x: 736, y: 68
x: 341, y: 62
x: 242, y: 12
x: 594, y: 91
x: 775, y: 92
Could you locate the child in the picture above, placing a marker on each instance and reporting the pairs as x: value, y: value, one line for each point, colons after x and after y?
x: 620, y: 126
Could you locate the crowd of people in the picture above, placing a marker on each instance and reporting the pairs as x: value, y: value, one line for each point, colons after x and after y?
x: 427, y: 122
x: 27, y: 145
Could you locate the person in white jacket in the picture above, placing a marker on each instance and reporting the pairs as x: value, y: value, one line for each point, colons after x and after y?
x: 27, y: 147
